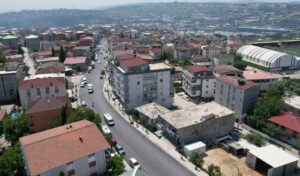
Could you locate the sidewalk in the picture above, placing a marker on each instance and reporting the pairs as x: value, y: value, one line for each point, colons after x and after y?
x: 162, y: 143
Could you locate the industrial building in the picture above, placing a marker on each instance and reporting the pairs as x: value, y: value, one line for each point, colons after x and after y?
x: 267, y: 58
x: 205, y: 122
x: 271, y: 161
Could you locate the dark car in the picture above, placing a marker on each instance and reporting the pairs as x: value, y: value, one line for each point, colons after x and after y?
x: 120, y: 149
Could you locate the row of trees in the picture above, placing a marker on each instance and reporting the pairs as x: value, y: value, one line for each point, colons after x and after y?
x: 197, y: 160
x: 62, y: 54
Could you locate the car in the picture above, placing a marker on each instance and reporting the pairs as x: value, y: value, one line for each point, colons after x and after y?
x: 108, y: 119
x: 134, y: 163
x: 101, y: 77
x: 120, y: 149
x: 84, y: 80
x: 105, y: 129
x: 91, y: 91
x: 82, y: 84
x: 83, y: 103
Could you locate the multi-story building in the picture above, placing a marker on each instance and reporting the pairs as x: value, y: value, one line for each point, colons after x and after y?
x: 122, y: 49
x: 236, y: 93
x: 136, y: 82
x: 11, y: 41
x: 263, y: 79
x: 32, y: 42
x: 10, y: 78
x: 199, y: 81
x: 74, y: 149
x: 211, y: 51
x: 41, y: 88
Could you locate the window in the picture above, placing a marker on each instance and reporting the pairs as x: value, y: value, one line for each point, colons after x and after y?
x: 70, y: 169
x: 56, y: 89
x: 28, y: 94
x: 138, y: 83
x: 38, y: 91
x: 161, y: 80
x: 47, y: 90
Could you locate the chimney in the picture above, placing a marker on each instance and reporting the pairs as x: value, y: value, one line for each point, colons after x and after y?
x: 80, y: 138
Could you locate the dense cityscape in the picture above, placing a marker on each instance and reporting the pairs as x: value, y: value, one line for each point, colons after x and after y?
x: 151, y: 89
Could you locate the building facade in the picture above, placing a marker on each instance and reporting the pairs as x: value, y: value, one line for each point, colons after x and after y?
x: 135, y: 82
x: 236, y: 94
x: 199, y: 82
x: 32, y: 42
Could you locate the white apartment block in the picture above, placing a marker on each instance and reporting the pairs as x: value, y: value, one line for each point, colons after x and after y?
x: 136, y: 82
x: 41, y: 88
x: 199, y: 82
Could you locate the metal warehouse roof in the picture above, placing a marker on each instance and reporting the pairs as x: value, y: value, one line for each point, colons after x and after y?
x: 273, y: 156
x: 260, y: 53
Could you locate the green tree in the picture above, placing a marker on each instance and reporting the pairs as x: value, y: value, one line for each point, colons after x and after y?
x: 117, y: 164
x: 11, y: 161
x: 62, y: 55
x: 273, y: 130
x: 255, y: 139
x: 239, y: 63
x: 52, y: 51
x: 214, y: 170
x: 81, y: 113
x: 14, y: 128
x: 62, y: 173
x: 196, y: 159
x: 297, y: 143
x: 2, y: 58
x: 55, y: 123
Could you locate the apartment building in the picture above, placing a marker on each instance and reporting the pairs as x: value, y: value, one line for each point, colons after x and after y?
x: 74, y: 149
x: 263, y: 79
x: 10, y: 78
x: 236, y: 94
x: 199, y: 82
x: 211, y: 51
x: 41, y: 88
x: 32, y: 42
x: 136, y: 82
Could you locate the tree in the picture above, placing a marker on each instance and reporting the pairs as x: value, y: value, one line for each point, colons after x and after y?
x: 214, y: 170
x: 52, y: 51
x: 62, y: 55
x: 255, y: 139
x: 55, y: 123
x: 81, y: 113
x: 14, y: 128
x: 62, y: 173
x: 273, y: 130
x: 64, y: 113
x: 196, y: 159
x: 2, y: 58
x: 117, y: 164
x: 20, y: 50
x: 11, y: 161
x: 239, y: 63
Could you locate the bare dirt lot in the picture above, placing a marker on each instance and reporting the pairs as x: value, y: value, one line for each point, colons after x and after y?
x: 230, y: 165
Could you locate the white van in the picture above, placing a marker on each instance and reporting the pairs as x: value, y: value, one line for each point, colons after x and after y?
x: 108, y: 119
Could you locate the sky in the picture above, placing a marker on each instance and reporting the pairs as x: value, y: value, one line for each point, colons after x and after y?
x: 17, y: 5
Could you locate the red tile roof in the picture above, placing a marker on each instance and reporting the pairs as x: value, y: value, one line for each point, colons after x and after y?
x: 287, y: 120
x: 43, y: 105
x: 123, y: 40
x: 122, y: 48
x: 132, y: 62
x: 156, y: 50
x: 252, y: 75
x: 198, y: 68
x: 51, y: 148
x: 41, y: 82
x: 236, y: 82
x: 75, y: 60
x: 223, y: 69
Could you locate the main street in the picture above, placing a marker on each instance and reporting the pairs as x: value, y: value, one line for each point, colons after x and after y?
x: 154, y: 161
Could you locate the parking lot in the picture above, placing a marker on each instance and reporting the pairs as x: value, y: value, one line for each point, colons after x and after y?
x: 230, y: 165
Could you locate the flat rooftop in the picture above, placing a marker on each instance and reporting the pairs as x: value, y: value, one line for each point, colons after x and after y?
x: 159, y: 66
x: 293, y: 101
x: 152, y: 110
x: 196, y: 114
x: 273, y: 156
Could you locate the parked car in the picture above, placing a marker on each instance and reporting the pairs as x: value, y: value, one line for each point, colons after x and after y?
x: 134, y: 163
x: 82, y: 84
x: 108, y: 119
x: 83, y: 103
x: 105, y: 129
x: 120, y: 149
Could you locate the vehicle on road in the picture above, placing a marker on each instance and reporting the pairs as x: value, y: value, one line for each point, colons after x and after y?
x: 134, y: 163
x: 108, y: 119
x: 84, y: 80
x: 105, y: 129
x: 82, y: 84
x: 102, y: 72
x: 83, y: 103
x: 120, y: 149
x: 101, y: 77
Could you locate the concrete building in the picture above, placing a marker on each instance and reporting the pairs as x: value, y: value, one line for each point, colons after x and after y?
x: 43, y: 111
x: 32, y: 42
x: 149, y: 113
x: 11, y: 41
x: 236, y: 93
x: 223, y: 59
x: 205, y: 122
x: 10, y: 78
x: 211, y: 51
x: 267, y: 58
x: 15, y: 58
x: 156, y: 53
x: 227, y: 70
x: 75, y: 149
x: 77, y: 63
x: 271, y: 161
x: 136, y: 82
x: 84, y: 51
x: 263, y: 79
x: 122, y: 49
x: 292, y: 104
x: 41, y: 88
x: 199, y: 82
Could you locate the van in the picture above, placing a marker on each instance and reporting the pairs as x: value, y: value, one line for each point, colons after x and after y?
x: 108, y: 119
x: 84, y: 80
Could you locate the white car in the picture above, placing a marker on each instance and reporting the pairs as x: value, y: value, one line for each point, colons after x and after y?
x: 83, y: 103
x: 105, y: 129
x: 82, y: 84
x: 134, y: 163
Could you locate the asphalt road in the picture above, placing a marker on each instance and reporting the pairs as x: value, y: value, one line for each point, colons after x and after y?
x: 154, y: 161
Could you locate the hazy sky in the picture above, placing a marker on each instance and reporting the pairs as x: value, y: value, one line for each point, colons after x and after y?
x: 16, y: 5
